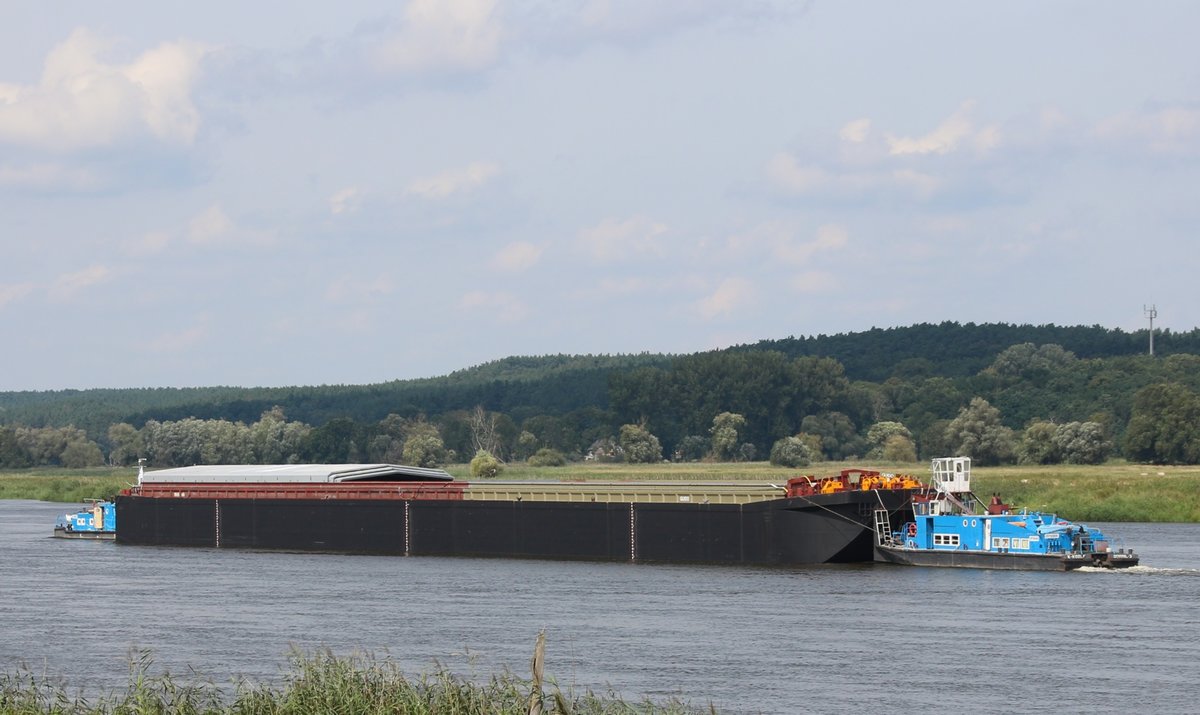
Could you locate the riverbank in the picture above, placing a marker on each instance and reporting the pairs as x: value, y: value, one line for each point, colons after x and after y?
x: 1117, y: 491
x: 321, y: 682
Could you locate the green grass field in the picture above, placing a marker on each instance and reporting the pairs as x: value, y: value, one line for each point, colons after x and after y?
x: 1111, y: 492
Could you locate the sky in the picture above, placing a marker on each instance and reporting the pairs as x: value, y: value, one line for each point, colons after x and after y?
x: 302, y: 193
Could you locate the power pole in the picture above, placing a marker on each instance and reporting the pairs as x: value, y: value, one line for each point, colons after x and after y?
x: 1151, y: 313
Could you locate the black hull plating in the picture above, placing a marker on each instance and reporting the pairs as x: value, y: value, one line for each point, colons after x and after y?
x: 827, y: 528
x: 992, y: 560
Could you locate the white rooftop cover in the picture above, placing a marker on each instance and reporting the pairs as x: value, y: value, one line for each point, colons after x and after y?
x: 293, y: 473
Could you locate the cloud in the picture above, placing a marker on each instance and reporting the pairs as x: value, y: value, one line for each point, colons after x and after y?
x: 350, y: 289
x: 213, y: 227
x: 781, y: 241
x: 1169, y: 130
x: 148, y: 244
x: 501, y: 306
x: 345, y: 201
x: 731, y: 295
x: 84, y: 102
x: 816, y: 282
x: 453, y: 181
x: 14, y: 292
x: 614, y: 240
x: 46, y: 176
x: 442, y: 35
x: 517, y: 256
x: 179, y: 341
x: 829, y: 237
x: 955, y: 130
x: 68, y: 284
x: 856, y: 132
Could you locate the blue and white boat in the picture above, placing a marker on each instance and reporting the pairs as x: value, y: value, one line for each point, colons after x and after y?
x: 97, y: 521
x: 949, y: 528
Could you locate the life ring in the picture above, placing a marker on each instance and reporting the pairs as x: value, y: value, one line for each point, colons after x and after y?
x: 912, y: 528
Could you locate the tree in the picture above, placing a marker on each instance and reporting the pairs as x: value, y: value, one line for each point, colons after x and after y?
x: 839, y: 439
x: 1038, y: 444
x: 790, y: 452
x: 639, y: 445
x: 692, y: 448
x: 125, y: 444
x: 881, y: 433
x: 82, y: 453
x: 977, y: 432
x: 1082, y: 443
x: 1165, y: 425
x: 899, y: 448
x: 484, y: 465
x: 724, y: 433
x: 547, y: 457
x: 484, y: 434
x: 424, y: 449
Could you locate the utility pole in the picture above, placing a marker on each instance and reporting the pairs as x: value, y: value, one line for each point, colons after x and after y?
x: 1151, y: 313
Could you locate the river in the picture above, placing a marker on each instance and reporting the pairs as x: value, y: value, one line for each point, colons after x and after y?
x: 862, y: 638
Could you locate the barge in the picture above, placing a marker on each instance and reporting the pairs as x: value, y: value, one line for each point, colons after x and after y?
x: 949, y: 528
x: 392, y: 509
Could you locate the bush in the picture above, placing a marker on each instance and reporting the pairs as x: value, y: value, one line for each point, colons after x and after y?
x: 547, y: 457
x: 485, y: 466
x: 790, y: 452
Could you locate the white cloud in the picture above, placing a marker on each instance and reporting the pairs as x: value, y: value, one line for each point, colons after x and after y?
x: 453, y: 181
x: 46, y: 176
x: 502, y: 306
x: 517, y: 256
x: 1172, y: 130
x: 345, y: 201
x: 829, y: 237
x: 788, y: 174
x: 955, y: 130
x: 68, y: 284
x: 150, y: 243
x: 816, y: 282
x: 731, y: 295
x: 856, y: 132
x: 180, y: 340
x: 82, y: 101
x: 614, y: 239
x: 213, y: 227
x: 440, y: 35
x: 349, y: 289
x: 14, y: 292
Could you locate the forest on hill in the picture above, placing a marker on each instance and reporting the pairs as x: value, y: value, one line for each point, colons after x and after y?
x: 996, y: 391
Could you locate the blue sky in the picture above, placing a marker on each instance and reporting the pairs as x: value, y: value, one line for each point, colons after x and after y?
x: 288, y: 193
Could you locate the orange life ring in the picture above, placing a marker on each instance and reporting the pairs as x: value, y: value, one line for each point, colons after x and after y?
x: 912, y: 529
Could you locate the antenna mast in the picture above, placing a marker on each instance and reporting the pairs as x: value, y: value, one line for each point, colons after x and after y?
x: 1151, y: 313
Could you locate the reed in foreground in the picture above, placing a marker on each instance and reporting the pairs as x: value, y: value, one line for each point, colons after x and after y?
x: 322, y: 683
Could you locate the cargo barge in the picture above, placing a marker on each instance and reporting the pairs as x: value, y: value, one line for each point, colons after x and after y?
x: 391, y: 509
x: 950, y: 528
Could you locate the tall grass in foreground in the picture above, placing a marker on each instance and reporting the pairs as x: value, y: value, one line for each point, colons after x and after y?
x: 322, y: 683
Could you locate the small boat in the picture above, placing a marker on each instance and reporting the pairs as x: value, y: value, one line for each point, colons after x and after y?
x: 98, y: 521
x: 950, y: 529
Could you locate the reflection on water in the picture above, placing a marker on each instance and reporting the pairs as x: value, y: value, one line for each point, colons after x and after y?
x: 816, y: 639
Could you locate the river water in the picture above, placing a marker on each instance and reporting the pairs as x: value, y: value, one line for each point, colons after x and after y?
x: 863, y: 638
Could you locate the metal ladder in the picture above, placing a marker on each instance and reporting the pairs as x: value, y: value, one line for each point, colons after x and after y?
x: 883, y: 527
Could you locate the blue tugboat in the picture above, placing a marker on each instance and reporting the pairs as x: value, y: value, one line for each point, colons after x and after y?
x: 98, y: 521
x: 950, y: 529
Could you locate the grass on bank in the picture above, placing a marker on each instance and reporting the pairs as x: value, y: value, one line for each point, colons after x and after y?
x: 1117, y: 491
x: 323, y: 683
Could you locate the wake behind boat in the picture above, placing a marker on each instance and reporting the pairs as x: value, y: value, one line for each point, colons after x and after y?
x: 950, y: 529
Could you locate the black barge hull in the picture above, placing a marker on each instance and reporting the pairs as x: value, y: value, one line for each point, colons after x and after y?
x: 826, y: 528
x: 995, y: 560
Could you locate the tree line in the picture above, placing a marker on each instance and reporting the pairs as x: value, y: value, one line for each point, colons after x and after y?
x: 1027, y: 406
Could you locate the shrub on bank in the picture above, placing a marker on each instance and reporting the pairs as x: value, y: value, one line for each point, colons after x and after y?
x: 321, y: 683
